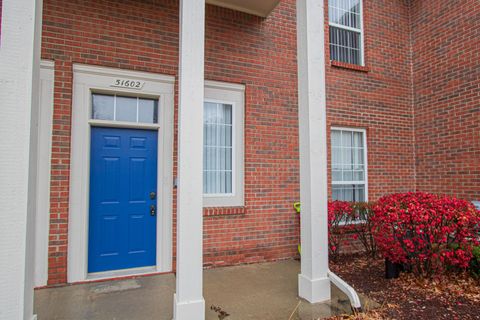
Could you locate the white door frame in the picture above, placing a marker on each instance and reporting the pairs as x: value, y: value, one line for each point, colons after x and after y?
x: 88, y: 79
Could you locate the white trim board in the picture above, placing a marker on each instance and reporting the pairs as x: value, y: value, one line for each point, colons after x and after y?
x: 88, y: 79
x: 42, y: 212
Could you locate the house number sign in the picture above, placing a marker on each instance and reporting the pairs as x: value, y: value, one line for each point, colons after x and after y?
x: 127, y: 83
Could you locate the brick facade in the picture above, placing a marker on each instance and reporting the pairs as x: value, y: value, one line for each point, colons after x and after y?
x: 378, y: 97
x: 260, y: 53
x: 446, y: 69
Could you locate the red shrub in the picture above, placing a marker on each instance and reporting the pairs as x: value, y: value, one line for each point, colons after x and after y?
x: 338, y: 213
x: 360, y: 226
x: 426, y: 231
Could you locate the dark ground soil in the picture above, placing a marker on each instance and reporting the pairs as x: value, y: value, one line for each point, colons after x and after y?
x: 454, y: 296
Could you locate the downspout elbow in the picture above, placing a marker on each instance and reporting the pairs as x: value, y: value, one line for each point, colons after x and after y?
x: 348, y: 290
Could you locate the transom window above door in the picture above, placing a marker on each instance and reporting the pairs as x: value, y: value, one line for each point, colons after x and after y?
x: 124, y: 108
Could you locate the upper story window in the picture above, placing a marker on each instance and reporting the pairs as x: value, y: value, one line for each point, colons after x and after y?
x: 124, y: 108
x: 349, y: 164
x: 223, y: 145
x: 346, y: 31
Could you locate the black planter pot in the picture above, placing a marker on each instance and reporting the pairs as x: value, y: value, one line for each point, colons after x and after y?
x: 392, y: 270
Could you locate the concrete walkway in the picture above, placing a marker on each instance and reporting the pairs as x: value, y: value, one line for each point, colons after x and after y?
x: 259, y: 291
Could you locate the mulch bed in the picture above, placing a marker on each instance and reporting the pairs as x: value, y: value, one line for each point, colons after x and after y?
x: 454, y: 296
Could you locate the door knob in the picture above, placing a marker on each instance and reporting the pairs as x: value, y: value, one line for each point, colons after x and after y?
x: 153, y: 210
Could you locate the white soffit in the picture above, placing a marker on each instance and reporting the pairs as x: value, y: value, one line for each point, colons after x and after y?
x: 260, y: 8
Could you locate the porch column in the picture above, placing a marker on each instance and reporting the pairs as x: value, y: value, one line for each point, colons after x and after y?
x: 19, y: 82
x: 189, y: 302
x: 313, y: 282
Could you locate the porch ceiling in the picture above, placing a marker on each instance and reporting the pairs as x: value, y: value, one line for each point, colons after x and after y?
x: 260, y: 8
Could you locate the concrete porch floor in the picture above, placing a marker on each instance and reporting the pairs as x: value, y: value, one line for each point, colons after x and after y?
x: 258, y: 291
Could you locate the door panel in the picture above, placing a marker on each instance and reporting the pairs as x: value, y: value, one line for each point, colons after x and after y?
x: 123, y: 173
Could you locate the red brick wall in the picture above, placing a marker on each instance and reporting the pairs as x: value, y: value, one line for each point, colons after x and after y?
x: 261, y: 53
x: 446, y: 46
x: 379, y: 98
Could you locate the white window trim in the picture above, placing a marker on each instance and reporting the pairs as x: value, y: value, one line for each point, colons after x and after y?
x: 232, y: 94
x: 365, y: 153
x: 88, y: 79
x: 361, y: 30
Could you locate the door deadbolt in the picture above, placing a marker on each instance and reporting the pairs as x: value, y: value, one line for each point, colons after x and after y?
x: 153, y: 195
x: 153, y: 210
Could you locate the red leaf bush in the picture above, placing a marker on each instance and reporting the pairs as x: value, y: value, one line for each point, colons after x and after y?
x: 338, y: 211
x: 360, y: 225
x: 350, y: 222
x: 425, y: 231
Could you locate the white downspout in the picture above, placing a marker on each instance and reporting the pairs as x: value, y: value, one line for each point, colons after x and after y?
x: 348, y: 290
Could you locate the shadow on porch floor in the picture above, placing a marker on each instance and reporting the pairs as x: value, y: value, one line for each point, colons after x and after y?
x: 259, y: 291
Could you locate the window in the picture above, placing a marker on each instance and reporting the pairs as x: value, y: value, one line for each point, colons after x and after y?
x: 123, y: 108
x: 223, y: 145
x: 218, y: 149
x: 349, y: 165
x: 346, y: 31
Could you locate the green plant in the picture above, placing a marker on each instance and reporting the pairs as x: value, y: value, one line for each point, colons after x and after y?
x: 475, y: 262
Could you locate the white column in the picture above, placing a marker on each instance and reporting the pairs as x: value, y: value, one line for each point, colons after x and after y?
x: 189, y: 302
x: 313, y: 282
x: 19, y: 82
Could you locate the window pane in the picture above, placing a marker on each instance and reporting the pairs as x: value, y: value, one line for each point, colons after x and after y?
x: 346, y: 13
x: 228, y: 182
x: 358, y: 176
x: 337, y: 175
x: 228, y: 135
x: 347, y: 175
x: 228, y: 159
x: 218, y: 148
x: 347, y: 194
x: 210, y: 137
x: 358, y: 139
x: 358, y: 159
x: 347, y: 160
x: 336, y: 194
x: 225, y: 114
x: 147, y: 111
x: 355, y: 192
x: 336, y: 138
x: 102, y: 106
x: 210, y: 112
x: 359, y: 194
x: 345, y: 45
x: 336, y: 158
x: 346, y: 139
x: 126, y: 109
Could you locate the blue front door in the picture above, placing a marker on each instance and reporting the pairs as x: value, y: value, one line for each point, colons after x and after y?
x: 123, y: 188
